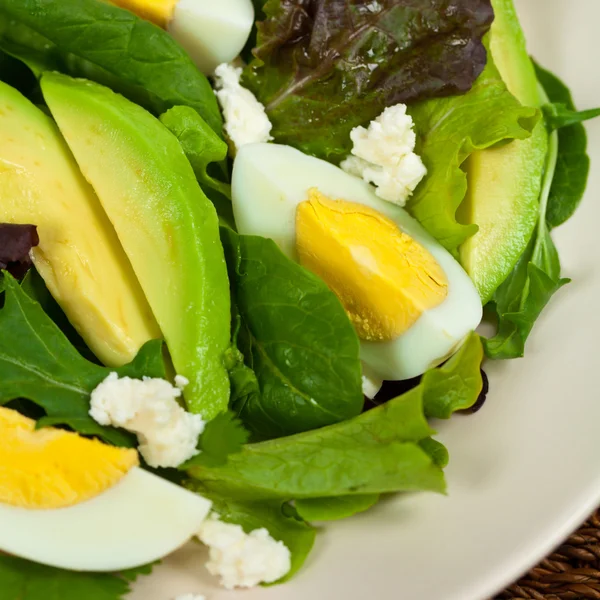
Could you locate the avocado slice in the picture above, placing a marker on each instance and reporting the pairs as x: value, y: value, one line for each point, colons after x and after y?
x: 168, y: 228
x: 504, y: 183
x: 79, y: 255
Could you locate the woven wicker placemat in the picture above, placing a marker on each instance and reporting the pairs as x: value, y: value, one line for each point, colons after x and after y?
x: 572, y: 572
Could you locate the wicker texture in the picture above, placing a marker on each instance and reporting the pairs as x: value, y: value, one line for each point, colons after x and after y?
x: 571, y: 573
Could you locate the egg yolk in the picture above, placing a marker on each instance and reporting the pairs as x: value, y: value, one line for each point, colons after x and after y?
x: 384, y: 279
x: 157, y: 11
x: 52, y: 468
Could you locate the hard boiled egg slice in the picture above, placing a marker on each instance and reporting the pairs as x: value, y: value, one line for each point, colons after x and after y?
x: 76, y: 503
x: 410, y: 301
x: 211, y: 31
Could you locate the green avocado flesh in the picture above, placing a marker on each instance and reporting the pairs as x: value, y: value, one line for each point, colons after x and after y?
x: 79, y: 255
x: 504, y: 183
x: 166, y: 225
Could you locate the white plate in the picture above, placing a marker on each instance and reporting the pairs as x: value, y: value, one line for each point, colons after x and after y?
x: 525, y: 471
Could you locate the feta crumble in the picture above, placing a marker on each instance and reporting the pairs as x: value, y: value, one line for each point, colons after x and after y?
x: 243, y: 559
x: 246, y: 120
x: 383, y: 154
x: 167, y: 434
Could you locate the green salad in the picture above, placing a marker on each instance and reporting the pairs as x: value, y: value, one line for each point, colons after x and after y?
x: 245, y: 249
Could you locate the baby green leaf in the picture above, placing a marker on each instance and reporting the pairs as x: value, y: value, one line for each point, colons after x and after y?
x: 280, y: 519
x: 334, y: 509
x: 296, y: 337
x: 519, y: 301
x: 376, y: 452
x: 222, y: 436
x: 24, y: 580
x: 573, y: 163
x: 559, y: 115
x: 107, y: 44
x: 201, y: 144
x: 322, y: 68
x: 448, y: 131
x: 39, y: 363
x: 457, y: 383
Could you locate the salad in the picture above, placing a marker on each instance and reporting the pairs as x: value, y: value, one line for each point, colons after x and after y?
x: 245, y: 248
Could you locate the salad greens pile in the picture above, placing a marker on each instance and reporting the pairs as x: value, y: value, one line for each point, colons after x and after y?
x: 317, y: 81
x: 296, y: 445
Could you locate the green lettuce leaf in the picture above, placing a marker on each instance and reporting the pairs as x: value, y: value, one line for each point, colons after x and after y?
x: 573, y: 162
x: 322, y: 68
x: 37, y: 362
x: 24, y: 580
x: 99, y: 41
x: 376, y: 452
x: 280, y: 519
x: 201, y: 144
x: 296, y: 337
x: 520, y: 300
x: 437, y: 451
x: 448, y: 131
x: 456, y: 384
x: 334, y: 509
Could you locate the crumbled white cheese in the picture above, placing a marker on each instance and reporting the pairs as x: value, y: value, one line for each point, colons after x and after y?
x: 167, y: 434
x: 246, y: 120
x: 383, y: 154
x: 181, y: 382
x: 191, y: 597
x: 243, y: 559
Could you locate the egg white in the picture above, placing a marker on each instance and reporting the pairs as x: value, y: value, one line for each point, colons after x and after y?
x: 212, y: 31
x: 270, y: 180
x: 137, y: 521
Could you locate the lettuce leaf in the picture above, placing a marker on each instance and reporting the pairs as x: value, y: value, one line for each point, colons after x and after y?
x: 322, y: 68
x: 520, y: 300
x: 99, y: 41
x: 295, y: 336
x: 280, y: 519
x: 448, y: 131
x: 334, y: 509
x: 24, y: 580
x: 37, y: 362
x: 376, y: 452
x: 573, y: 162
x: 455, y: 385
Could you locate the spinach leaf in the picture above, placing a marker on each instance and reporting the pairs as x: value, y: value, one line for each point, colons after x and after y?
x: 297, y: 339
x: 573, y: 162
x: 37, y: 362
x: 519, y: 301
x: 456, y: 384
x: 322, y: 68
x: 201, y: 144
x: 334, y: 509
x: 102, y: 42
x: 280, y: 519
x: 376, y: 452
x: 448, y: 131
